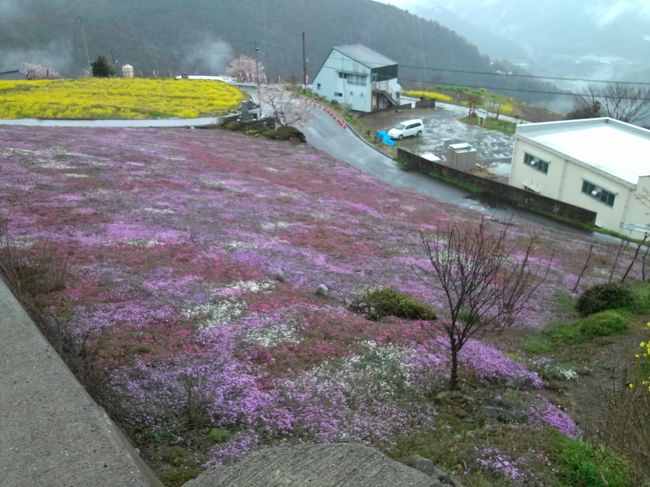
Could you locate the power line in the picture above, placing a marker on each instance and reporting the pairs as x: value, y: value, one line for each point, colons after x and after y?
x: 509, y: 75
x: 515, y: 75
x: 524, y: 90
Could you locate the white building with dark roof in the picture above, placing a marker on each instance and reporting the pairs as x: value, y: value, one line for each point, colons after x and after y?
x: 359, y: 77
x: 599, y: 164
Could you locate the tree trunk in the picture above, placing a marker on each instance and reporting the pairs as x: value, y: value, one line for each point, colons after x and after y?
x: 453, y: 378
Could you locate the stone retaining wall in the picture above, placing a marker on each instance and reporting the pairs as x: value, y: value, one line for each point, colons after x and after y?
x: 499, y: 192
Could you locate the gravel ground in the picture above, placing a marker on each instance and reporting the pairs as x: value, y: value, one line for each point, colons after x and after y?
x: 443, y: 125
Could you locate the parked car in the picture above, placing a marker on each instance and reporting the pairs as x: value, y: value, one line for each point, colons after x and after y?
x: 408, y: 128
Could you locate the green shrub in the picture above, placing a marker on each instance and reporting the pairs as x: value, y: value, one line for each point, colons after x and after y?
x: 604, y: 296
x: 601, y: 324
x: 219, y: 435
x: 379, y: 302
x: 287, y: 132
x: 584, y: 464
x: 233, y: 125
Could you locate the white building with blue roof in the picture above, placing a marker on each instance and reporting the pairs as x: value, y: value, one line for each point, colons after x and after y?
x: 356, y: 76
x: 599, y: 164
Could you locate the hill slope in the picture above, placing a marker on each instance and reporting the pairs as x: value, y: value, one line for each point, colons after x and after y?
x: 170, y: 36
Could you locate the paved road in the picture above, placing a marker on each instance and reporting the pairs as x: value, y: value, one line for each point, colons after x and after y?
x: 51, y: 432
x: 323, y: 132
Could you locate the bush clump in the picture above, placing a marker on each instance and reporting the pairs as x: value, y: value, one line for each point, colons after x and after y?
x: 602, y: 297
x: 601, y: 324
x: 219, y: 435
x: 286, y: 132
x: 377, y: 303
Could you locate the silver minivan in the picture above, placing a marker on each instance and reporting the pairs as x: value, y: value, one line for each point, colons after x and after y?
x: 407, y: 128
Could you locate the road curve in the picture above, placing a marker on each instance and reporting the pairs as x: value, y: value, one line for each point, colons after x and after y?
x: 324, y: 132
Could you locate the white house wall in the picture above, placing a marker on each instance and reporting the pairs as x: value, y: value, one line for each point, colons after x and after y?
x: 564, y: 182
x: 327, y: 82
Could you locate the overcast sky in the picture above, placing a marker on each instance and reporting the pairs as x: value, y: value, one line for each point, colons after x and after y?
x: 601, y: 12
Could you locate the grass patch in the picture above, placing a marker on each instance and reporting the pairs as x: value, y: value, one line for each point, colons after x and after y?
x: 472, y: 188
x: 116, y: 98
x: 587, y: 464
x: 603, y: 324
x: 492, y: 124
x: 219, y: 435
x: 525, y: 456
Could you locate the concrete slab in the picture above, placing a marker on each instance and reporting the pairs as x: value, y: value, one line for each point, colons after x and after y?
x: 51, y: 431
x: 337, y: 464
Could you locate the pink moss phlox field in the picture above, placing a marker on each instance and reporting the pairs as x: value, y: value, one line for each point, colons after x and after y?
x: 542, y: 412
x: 174, y: 239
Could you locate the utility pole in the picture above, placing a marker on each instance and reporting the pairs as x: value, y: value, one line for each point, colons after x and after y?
x: 257, y: 77
x: 83, y: 37
x: 304, y: 65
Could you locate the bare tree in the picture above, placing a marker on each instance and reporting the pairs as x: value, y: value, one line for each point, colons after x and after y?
x: 474, y: 100
x: 486, y: 288
x: 243, y: 69
x: 624, y: 102
x: 288, y: 107
x: 584, y: 268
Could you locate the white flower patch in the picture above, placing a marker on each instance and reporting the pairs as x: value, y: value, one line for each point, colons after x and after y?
x: 271, y: 169
x: 275, y: 225
x: 142, y: 243
x: 57, y: 165
x: 74, y: 175
x: 239, y: 287
x: 159, y: 211
x: 214, y: 314
x: 270, y: 336
x: 288, y: 194
x: 320, y: 216
x: 60, y: 151
x: 385, y: 366
x: 234, y: 245
x: 218, y: 183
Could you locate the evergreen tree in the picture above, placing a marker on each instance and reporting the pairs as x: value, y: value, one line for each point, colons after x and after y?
x: 101, y: 68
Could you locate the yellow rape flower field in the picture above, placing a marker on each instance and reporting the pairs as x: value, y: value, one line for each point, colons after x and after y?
x: 116, y: 98
x: 428, y: 94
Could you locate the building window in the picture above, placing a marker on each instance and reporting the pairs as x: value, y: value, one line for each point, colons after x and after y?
x: 355, y: 79
x: 598, y: 193
x: 336, y: 93
x: 318, y: 86
x: 534, y: 162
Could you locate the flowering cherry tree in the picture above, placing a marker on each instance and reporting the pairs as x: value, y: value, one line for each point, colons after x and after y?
x: 243, y: 69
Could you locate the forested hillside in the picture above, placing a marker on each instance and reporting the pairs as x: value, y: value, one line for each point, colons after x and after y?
x: 201, y: 36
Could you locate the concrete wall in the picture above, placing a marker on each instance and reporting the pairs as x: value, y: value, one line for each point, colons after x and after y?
x: 564, y: 180
x: 500, y: 191
x: 358, y: 97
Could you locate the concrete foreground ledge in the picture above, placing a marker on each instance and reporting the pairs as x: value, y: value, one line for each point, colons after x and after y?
x: 52, y: 433
x: 324, y: 465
